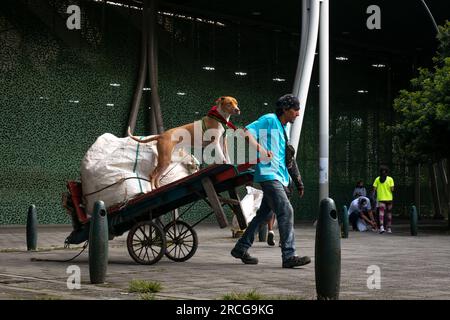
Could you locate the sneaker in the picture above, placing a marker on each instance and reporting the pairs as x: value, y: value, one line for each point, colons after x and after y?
x: 244, y: 256
x: 389, y: 230
x: 381, y: 229
x: 270, y: 236
x: 296, y: 261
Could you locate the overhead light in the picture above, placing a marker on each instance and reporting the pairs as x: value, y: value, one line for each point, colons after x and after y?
x: 118, y: 4
x: 265, y: 103
x: 279, y: 79
x: 74, y: 101
x: 342, y: 58
x: 208, y: 68
x: 240, y: 73
x: 110, y: 104
x: 379, y: 65
x: 114, y: 84
x: 181, y: 93
x: 146, y: 89
x: 362, y: 91
x: 170, y: 14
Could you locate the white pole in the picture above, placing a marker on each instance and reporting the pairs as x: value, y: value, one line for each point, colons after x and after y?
x: 306, y: 4
x: 324, y: 100
x: 306, y: 72
x: 431, y: 16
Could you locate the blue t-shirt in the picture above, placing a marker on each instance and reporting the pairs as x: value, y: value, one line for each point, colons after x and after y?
x: 268, y: 131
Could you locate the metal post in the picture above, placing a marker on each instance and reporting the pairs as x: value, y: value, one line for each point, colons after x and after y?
x: 98, y: 244
x: 435, y: 192
x: 417, y: 188
x: 344, y: 222
x: 306, y: 13
x: 413, y: 220
x: 431, y: 16
x: 152, y: 52
x: 307, y: 66
x: 142, y: 71
x: 32, y: 228
x: 328, y: 252
x: 324, y: 100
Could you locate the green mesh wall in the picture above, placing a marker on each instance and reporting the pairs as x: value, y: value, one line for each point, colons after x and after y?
x: 56, y: 98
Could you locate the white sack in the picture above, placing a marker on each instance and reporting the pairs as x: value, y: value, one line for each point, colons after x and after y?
x: 111, y: 159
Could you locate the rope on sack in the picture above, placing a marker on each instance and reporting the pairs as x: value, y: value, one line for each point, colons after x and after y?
x: 117, y: 182
x: 163, y: 176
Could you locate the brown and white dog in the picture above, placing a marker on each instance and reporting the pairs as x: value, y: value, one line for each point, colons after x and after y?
x: 217, y: 118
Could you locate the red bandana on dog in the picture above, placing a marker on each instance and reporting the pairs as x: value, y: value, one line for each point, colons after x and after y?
x: 213, y: 113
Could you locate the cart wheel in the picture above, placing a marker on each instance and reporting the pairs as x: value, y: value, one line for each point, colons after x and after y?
x: 146, y: 242
x: 181, y: 240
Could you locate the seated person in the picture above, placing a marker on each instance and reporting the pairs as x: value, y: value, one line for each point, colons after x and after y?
x: 359, y: 190
x: 360, y: 214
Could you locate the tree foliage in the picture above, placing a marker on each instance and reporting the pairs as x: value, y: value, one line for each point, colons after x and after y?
x: 423, y: 133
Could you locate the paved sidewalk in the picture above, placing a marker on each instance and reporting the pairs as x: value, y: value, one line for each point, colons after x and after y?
x: 411, y: 267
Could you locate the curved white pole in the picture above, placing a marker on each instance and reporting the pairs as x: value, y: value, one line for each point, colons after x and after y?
x: 324, y: 100
x: 431, y: 16
x: 305, y: 78
x: 303, y: 41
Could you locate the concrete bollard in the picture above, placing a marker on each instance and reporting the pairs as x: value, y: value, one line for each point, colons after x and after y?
x: 328, y: 252
x: 345, y: 222
x: 413, y: 220
x: 32, y: 224
x: 98, y: 244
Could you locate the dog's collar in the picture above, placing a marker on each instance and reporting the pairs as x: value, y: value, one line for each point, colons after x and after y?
x: 214, y: 113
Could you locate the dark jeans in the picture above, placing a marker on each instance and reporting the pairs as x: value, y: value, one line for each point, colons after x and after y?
x: 275, y: 199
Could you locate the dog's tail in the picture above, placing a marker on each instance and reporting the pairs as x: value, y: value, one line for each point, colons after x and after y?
x: 152, y: 138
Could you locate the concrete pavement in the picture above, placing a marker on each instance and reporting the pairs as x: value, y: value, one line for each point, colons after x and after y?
x: 410, y: 267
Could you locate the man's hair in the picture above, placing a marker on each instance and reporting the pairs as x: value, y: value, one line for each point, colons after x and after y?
x: 362, y: 201
x: 384, y: 168
x: 288, y: 101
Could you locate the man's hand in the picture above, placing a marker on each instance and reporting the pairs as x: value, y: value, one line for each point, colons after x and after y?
x: 265, y: 156
x: 301, y: 192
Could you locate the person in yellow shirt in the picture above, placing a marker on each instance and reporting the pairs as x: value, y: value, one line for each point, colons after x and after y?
x: 384, y: 188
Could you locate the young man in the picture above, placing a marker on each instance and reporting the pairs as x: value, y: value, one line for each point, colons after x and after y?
x: 360, y: 209
x: 273, y: 176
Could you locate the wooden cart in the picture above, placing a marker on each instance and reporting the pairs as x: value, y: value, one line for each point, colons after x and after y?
x: 148, y: 239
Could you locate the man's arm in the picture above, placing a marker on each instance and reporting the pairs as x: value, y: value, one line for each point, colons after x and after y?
x: 297, y: 178
x: 367, y: 219
x: 263, y: 152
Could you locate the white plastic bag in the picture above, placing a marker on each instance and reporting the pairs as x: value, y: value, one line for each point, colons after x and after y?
x: 249, y: 204
x: 362, y: 226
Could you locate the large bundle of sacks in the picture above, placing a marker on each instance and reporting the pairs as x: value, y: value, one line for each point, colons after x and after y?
x: 115, y: 170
